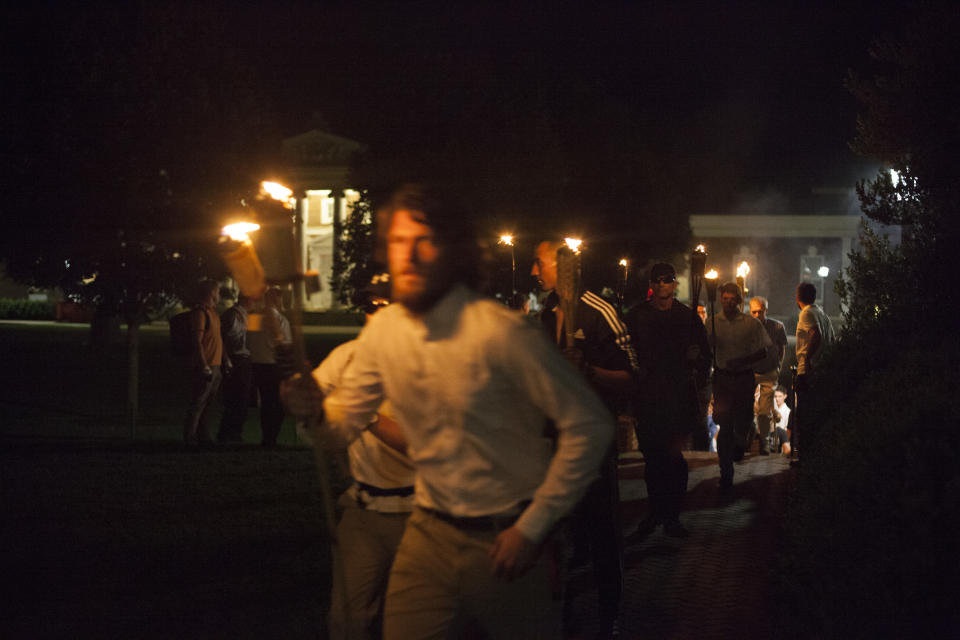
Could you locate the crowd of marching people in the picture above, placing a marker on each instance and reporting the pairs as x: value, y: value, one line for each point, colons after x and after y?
x: 481, y: 445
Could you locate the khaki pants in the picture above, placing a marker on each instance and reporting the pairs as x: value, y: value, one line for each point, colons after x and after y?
x: 763, y: 408
x: 368, y: 542
x: 441, y: 584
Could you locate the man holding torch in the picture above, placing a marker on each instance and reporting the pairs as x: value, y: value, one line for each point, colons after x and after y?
x: 602, y: 350
x: 740, y: 342
x: 472, y: 385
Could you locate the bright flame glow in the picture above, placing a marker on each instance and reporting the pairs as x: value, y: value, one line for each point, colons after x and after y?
x: 506, y: 239
x: 823, y: 272
x: 623, y: 262
x: 276, y: 190
x: 238, y: 230
x: 701, y: 248
x: 711, y: 275
x: 573, y: 244
x: 743, y: 269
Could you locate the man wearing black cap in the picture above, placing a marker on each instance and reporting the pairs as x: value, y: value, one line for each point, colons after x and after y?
x: 674, y: 356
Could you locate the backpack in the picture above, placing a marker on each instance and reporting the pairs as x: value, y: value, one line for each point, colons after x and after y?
x: 181, y: 333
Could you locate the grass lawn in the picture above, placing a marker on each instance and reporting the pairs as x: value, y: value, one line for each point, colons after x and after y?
x: 110, y: 537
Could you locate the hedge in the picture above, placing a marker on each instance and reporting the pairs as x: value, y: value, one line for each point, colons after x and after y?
x: 19, y: 309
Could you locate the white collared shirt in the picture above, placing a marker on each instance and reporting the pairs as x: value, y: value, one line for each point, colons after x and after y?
x: 372, y: 461
x: 812, y: 316
x: 472, y: 384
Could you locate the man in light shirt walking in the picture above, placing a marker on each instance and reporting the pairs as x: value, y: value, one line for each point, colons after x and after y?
x: 814, y: 334
x: 472, y: 385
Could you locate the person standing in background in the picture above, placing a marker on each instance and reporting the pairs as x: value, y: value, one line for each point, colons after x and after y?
x: 274, y: 330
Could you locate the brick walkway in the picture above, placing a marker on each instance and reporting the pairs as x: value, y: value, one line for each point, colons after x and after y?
x: 713, y: 584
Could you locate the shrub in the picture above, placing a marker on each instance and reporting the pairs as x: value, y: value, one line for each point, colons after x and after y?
x: 871, y: 542
x: 19, y: 309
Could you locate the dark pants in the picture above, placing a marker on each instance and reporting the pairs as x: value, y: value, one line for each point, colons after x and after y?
x: 666, y: 475
x: 733, y: 411
x: 798, y: 418
x: 202, y: 392
x: 266, y: 379
x: 236, y: 397
x: 595, y: 525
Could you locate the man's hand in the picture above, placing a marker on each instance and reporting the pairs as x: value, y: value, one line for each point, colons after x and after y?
x: 512, y: 554
x: 301, y: 396
x: 206, y: 372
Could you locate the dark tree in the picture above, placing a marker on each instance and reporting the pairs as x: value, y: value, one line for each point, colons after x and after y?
x: 135, y: 129
x: 876, y: 502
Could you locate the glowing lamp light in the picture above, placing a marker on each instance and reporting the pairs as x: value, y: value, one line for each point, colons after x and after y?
x: 743, y: 269
x: 711, y: 275
x: 506, y: 239
x: 238, y: 231
x: 623, y: 262
x: 573, y: 244
x: 823, y: 272
x: 701, y: 248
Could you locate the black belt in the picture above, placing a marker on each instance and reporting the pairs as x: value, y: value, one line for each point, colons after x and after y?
x: 377, y: 492
x: 479, y: 523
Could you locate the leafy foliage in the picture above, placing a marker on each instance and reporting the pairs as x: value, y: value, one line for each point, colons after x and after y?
x: 353, y: 258
x: 871, y: 533
x: 19, y: 309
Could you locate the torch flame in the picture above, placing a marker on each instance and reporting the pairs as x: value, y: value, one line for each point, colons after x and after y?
x: 573, y: 244
x: 276, y: 190
x: 701, y: 248
x: 506, y: 239
x: 238, y: 230
x: 743, y: 269
x: 623, y: 262
x: 711, y: 275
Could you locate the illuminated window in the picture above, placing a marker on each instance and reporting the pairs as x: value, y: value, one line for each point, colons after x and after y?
x: 318, y: 211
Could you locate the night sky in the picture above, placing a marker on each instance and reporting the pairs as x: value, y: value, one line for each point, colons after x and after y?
x: 749, y: 94
x: 680, y: 107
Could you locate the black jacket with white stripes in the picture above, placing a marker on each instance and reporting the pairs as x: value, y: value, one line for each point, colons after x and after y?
x: 601, y: 335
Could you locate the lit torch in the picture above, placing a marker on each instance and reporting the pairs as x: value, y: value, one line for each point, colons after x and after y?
x: 573, y: 244
x: 712, y: 278
x: 743, y: 269
x: 507, y: 239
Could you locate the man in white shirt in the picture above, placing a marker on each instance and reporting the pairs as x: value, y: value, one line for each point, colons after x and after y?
x: 814, y: 333
x: 739, y: 343
x: 781, y: 411
x: 472, y: 385
x: 374, y: 509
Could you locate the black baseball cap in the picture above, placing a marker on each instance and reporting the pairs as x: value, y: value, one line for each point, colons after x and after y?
x: 662, y: 270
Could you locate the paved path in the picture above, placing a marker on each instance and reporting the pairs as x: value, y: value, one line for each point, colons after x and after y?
x: 714, y: 584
